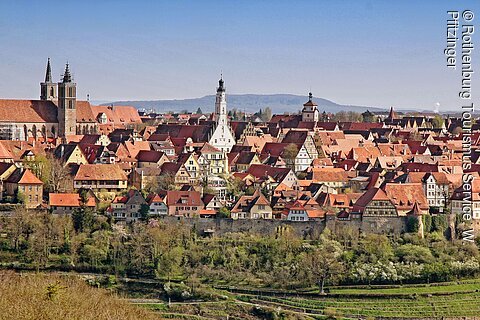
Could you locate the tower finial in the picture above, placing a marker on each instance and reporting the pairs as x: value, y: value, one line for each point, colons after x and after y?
x: 48, y: 73
x: 310, y: 96
x: 67, y: 77
x: 220, y: 83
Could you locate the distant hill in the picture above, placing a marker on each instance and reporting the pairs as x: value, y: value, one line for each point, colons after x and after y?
x: 279, y: 103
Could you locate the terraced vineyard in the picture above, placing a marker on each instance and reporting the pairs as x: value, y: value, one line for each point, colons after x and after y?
x: 435, y: 301
x: 454, y: 300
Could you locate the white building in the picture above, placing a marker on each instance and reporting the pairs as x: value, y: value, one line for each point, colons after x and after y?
x: 222, y: 138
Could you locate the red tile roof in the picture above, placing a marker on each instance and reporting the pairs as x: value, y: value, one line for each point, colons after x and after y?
x: 23, y: 176
x: 118, y: 115
x: 100, y: 172
x: 68, y: 200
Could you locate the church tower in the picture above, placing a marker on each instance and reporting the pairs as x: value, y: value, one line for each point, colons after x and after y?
x: 310, y: 112
x: 222, y: 137
x: 48, y: 89
x: 67, y: 105
x: 221, y: 103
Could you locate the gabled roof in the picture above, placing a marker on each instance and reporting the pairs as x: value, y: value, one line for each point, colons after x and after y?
x: 24, y: 176
x: 245, y: 203
x: 198, y: 133
x: 154, y: 198
x: 90, y: 139
x: 295, y: 136
x: 149, y: 156
x: 404, y: 195
x: 187, y: 198
x: 372, y: 194
x: 100, y: 172
x: 64, y: 151
x: 208, y: 148
x: 261, y: 170
x: 171, y: 167
x: 68, y: 200
x: 118, y: 115
x: 245, y: 157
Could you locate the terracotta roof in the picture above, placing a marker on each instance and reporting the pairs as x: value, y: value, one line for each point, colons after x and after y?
x: 245, y: 203
x: 118, y: 115
x: 184, y: 198
x: 404, y: 195
x: 84, y: 112
x: 100, y: 172
x: 135, y: 147
x: 208, y: 148
x: 315, y: 213
x: 68, y: 200
x: 23, y: 176
x: 154, y: 198
x: 4, y: 153
x: 370, y: 195
x: 36, y: 111
x: 329, y: 174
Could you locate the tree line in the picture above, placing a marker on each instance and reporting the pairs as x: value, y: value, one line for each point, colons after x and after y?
x: 89, y: 242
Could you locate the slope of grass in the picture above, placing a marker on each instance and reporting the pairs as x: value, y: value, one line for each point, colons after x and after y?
x: 42, y: 296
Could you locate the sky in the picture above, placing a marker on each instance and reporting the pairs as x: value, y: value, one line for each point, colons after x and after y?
x: 358, y: 52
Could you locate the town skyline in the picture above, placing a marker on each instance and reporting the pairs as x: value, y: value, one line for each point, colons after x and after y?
x: 340, y: 55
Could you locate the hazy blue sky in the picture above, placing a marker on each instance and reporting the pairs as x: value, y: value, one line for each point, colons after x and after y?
x: 377, y: 53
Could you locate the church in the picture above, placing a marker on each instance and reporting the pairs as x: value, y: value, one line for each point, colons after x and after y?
x: 58, y: 113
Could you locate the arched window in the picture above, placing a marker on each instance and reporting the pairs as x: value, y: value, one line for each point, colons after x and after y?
x: 53, y: 131
x: 52, y: 92
x: 25, y: 132
x: 44, y: 132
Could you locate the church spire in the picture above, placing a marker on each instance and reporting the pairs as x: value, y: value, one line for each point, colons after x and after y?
x: 48, y: 89
x: 67, y: 77
x: 392, y: 115
x: 48, y: 73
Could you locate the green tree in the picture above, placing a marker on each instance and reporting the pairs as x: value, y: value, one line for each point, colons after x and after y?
x: 412, y: 224
x: 83, y: 219
x: 323, y: 263
x: 223, y: 212
x: 437, y: 121
x: 367, y: 116
x: 290, y: 152
x: 144, y: 210
x: 20, y: 197
x: 199, y: 111
x: 376, y: 247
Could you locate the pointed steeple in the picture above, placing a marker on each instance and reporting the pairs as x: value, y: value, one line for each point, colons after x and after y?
x: 48, y: 73
x: 48, y: 89
x: 392, y: 115
x: 67, y: 77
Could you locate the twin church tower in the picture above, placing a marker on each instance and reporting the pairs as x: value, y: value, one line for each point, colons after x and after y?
x: 66, y: 99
